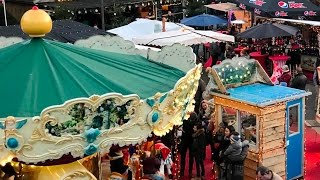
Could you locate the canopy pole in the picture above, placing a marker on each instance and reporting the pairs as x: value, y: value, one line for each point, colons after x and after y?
x: 5, y: 12
x: 103, y: 26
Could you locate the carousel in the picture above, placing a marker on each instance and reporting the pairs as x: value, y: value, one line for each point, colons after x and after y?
x: 63, y: 105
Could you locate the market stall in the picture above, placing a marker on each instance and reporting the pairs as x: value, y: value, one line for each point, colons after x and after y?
x: 270, y: 117
x: 306, y: 48
x: 232, y: 9
x: 68, y: 103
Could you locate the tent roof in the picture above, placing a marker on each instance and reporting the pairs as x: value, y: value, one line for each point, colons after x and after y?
x: 186, y: 37
x: 63, y: 31
x: 142, y: 27
x: 39, y: 73
x: 258, y: 94
x: 285, y: 8
x: 312, y: 23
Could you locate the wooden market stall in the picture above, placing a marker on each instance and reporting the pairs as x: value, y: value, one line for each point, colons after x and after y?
x: 270, y: 117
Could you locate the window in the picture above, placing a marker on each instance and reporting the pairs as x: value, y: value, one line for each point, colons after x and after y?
x: 293, y: 119
x: 245, y: 123
x: 248, y: 126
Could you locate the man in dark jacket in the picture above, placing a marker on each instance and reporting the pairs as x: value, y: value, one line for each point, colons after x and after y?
x: 186, y: 143
x: 199, y: 145
x: 198, y: 96
x: 300, y: 80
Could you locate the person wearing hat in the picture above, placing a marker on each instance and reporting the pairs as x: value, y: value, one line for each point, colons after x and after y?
x: 235, y: 146
x: 286, y: 75
x: 300, y: 80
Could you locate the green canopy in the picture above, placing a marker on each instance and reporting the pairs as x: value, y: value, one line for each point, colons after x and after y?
x: 39, y: 73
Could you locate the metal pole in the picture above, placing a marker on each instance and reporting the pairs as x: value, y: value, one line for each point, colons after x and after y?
x: 102, y: 16
x: 5, y: 13
x: 184, y: 9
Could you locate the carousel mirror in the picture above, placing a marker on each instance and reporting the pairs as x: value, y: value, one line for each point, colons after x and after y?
x: 82, y: 116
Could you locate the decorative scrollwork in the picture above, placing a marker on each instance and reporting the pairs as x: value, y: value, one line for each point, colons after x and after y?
x: 79, y: 174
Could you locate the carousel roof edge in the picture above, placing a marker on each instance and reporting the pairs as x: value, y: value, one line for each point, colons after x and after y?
x: 176, y: 55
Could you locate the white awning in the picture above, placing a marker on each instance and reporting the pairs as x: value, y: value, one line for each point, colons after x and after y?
x: 186, y: 37
x: 225, y: 7
x: 145, y: 27
x: 312, y: 23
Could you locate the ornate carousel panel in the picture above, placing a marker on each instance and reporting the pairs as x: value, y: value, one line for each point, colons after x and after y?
x: 84, y: 126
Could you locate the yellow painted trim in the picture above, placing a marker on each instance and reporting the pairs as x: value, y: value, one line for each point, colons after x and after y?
x: 237, y: 105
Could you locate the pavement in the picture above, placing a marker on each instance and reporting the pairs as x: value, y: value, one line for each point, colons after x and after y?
x: 310, y: 120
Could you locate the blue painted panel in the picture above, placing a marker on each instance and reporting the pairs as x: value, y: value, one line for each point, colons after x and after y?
x: 259, y: 94
x: 295, y: 146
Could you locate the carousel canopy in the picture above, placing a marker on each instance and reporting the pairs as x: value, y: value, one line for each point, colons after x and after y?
x: 39, y: 73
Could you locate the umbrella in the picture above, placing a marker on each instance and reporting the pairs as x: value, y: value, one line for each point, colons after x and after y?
x: 280, y: 8
x: 268, y: 30
x: 238, y: 22
x: 203, y: 20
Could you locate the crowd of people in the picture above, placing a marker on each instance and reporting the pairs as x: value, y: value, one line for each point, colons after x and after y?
x: 228, y: 150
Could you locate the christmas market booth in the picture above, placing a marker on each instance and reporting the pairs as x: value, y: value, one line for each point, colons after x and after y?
x: 270, y: 117
x: 63, y: 105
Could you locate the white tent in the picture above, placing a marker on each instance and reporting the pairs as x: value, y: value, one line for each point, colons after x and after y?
x: 185, y: 37
x: 145, y: 27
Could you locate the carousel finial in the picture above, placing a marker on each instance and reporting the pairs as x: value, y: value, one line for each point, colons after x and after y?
x: 36, y: 22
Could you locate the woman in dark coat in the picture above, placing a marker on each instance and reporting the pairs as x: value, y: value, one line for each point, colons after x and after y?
x: 222, y: 148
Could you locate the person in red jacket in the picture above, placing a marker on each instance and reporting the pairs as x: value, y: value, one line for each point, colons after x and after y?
x: 286, y: 76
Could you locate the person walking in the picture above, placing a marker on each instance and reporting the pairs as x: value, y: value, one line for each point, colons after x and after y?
x: 198, y: 147
x: 300, y: 80
x: 186, y: 143
x: 316, y: 83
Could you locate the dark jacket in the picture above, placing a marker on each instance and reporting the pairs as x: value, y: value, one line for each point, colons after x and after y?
x: 235, y: 170
x: 217, y: 140
x: 198, y: 96
x: 299, y: 81
x: 186, y: 138
x: 199, y: 143
x: 117, y: 163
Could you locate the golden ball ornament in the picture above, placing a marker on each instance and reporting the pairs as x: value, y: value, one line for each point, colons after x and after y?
x: 36, y: 22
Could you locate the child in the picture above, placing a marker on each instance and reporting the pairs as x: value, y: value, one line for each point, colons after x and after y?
x: 198, y: 146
